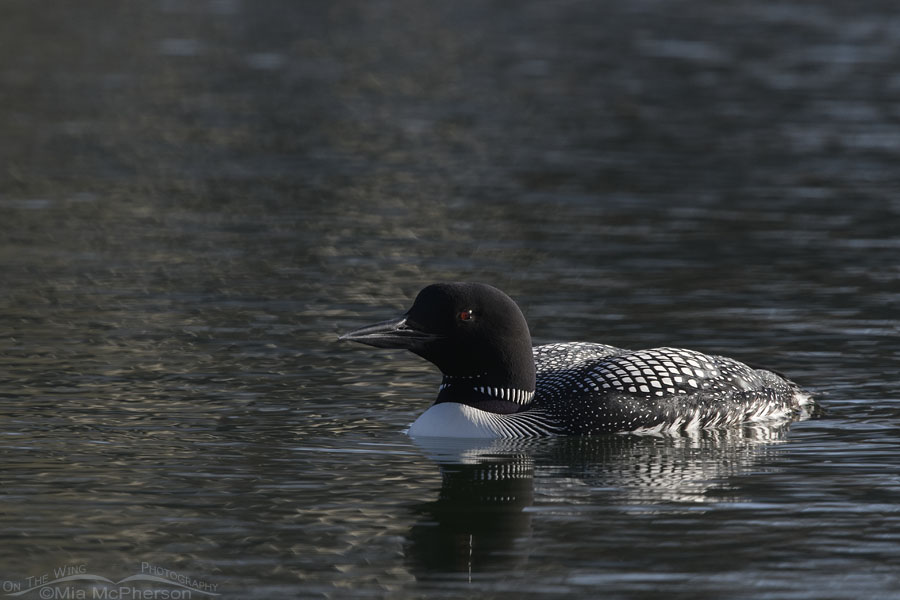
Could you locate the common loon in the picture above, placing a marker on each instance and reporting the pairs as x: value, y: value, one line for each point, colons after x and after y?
x: 497, y: 385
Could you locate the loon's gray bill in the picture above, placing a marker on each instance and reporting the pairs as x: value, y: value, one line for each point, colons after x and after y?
x: 393, y: 333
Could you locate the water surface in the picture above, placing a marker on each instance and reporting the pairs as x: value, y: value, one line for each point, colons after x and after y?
x: 196, y: 198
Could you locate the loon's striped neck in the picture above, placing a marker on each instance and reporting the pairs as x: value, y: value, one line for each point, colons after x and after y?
x: 479, y: 392
x: 522, y: 397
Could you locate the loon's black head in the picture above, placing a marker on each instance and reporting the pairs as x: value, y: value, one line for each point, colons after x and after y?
x: 474, y: 333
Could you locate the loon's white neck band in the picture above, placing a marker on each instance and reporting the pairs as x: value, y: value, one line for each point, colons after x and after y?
x: 470, y: 382
x: 522, y: 397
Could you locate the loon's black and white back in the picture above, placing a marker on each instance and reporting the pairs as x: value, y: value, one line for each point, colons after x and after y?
x: 496, y: 385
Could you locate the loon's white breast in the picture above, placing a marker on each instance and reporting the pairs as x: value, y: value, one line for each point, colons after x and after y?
x: 450, y: 419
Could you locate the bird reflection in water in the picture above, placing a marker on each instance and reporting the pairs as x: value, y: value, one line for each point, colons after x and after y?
x: 479, y: 512
x: 492, y: 489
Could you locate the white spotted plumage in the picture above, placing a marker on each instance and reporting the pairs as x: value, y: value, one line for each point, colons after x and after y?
x: 594, y: 388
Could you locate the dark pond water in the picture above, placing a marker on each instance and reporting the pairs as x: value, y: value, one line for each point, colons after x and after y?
x: 196, y: 198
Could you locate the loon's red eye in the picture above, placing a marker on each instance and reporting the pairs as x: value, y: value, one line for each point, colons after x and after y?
x: 467, y: 315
